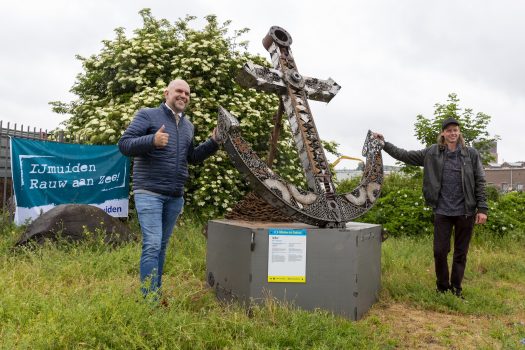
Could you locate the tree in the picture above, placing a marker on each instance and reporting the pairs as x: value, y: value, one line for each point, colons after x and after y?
x: 131, y: 73
x: 473, y: 126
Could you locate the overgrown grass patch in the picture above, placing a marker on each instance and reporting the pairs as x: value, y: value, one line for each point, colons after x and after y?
x: 408, y: 276
x: 87, y: 296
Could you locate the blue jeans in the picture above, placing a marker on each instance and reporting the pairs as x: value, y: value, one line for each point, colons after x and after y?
x: 157, y: 217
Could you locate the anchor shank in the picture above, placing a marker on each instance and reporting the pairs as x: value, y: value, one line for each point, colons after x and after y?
x: 308, y: 142
x: 274, y: 137
x: 295, y: 101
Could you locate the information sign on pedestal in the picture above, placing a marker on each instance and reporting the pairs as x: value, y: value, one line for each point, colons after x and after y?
x: 287, y: 255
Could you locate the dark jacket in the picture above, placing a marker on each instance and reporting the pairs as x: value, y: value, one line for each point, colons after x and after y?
x: 162, y: 170
x: 432, y: 160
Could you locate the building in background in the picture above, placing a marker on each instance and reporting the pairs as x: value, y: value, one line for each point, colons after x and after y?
x: 346, y: 174
x: 507, y: 176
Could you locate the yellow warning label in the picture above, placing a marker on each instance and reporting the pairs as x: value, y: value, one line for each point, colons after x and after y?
x: 289, y: 279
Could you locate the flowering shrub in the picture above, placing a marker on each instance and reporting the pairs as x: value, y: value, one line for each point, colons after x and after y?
x: 506, y: 216
x: 132, y: 73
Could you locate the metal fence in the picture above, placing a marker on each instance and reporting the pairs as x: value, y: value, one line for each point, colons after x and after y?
x: 8, y: 130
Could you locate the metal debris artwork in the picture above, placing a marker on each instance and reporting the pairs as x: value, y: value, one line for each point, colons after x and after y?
x: 320, y: 205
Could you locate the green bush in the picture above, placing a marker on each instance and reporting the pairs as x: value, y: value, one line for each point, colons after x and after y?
x: 492, y: 193
x: 400, y: 208
x: 391, y: 183
x: 402, y: 211
x: 506, y: 216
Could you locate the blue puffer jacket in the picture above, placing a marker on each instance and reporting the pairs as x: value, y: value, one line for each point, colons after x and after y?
x: 162, y: 170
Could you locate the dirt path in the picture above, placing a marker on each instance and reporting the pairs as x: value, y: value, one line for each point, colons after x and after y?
x: 424, y: 329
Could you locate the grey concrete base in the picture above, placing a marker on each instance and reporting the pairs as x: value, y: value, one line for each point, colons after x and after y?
x: 343, y: 266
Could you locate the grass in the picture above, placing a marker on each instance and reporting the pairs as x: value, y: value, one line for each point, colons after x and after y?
x: 86, y: 296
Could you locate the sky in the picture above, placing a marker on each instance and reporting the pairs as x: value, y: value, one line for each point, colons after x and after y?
x: 394, y: 59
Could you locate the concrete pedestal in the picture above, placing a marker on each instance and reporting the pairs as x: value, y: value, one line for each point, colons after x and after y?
x: 343, y: 266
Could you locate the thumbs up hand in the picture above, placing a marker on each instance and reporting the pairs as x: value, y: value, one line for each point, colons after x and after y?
x: 161, y: 137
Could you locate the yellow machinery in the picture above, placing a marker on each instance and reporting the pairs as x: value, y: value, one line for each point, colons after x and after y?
x: 345, y: 157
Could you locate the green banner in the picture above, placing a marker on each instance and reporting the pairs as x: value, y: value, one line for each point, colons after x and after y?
x: 46, y: 174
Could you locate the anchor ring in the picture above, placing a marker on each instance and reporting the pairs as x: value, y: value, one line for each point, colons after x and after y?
x: 277, y: 35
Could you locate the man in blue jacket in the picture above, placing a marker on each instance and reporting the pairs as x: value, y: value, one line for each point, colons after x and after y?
x: 454, y: 186
x: 161, y: 142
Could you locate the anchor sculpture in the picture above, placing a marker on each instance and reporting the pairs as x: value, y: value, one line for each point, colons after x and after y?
x: 320, y: 205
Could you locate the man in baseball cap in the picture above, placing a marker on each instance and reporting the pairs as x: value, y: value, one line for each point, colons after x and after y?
x: 454, y: 187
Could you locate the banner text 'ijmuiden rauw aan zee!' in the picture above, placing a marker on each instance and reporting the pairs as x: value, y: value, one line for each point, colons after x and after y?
x: 46, y: 174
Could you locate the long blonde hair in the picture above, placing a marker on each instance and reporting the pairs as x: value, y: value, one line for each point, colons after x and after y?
x: 441, y: 140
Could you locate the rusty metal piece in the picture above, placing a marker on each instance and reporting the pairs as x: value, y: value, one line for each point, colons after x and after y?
x: 254, y: 208
x: 320, y: 205
x: 303, y: 206
x: 278, y: 35
x: 272, y: 80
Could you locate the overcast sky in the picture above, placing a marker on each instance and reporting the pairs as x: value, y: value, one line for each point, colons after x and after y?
x: 393, y: 59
